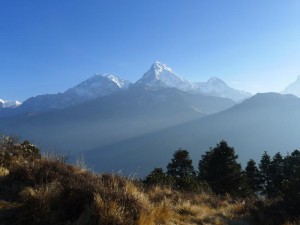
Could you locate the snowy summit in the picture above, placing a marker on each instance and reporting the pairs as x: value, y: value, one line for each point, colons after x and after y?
x: 9, y: 104
x: 99, y: 85
x: 217, y: 87
x: 94, y: 87
x: 160, y: 75
x: 293, y: 88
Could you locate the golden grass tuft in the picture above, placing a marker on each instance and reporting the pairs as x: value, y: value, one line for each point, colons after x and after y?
x: 3, y: 172
x: 292, y: 222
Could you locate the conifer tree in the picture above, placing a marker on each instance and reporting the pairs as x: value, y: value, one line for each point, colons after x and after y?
x: 291, y: 184
x: 219, y: 168
x: 253, y: 176
x: 181, y: 165
x: 265, y: 174
x: 277, y: 177
x: 158, y: 177
x: 182, y: 171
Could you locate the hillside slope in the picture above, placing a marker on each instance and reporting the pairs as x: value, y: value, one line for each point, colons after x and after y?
x: 265, y: 122
x: 38, y: 191
x: 112, y: 118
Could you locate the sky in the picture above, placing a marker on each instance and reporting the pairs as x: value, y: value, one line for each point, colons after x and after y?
x: 51, y: 45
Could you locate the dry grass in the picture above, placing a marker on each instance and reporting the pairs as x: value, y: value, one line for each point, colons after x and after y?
x: 3, y: 172
x: 46, y: 190
x: 185, y: 208
x: 57, y: 192
x: 292, y: 223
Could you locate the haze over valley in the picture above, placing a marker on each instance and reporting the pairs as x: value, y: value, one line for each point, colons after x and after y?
x: 118, y: 125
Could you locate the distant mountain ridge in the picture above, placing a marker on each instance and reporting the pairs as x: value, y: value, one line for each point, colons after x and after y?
x: 265, y: 122
x: 217, y: 87
x: 99, y: 85
x: 94, y: 87
x: 293, y: 88
x: 112, y: 118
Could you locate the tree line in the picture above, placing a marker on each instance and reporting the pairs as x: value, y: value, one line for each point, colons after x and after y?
x: 218, y: 171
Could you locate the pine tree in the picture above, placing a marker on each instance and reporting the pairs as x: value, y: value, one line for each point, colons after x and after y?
x: 181, y: 165
x: 219, y: 168
x: 182, y: 171
x: 265, y: 174
x: 253, y: 177
x: 276, y: 173
x: 291, y: 184
x: 158, y: 177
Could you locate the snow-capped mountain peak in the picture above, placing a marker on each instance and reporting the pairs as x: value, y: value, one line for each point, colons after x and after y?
x: 159, y: 67
x: 217, y: 87
x: 160, y: 75
x: 214, y: 84
x: 9, y: 104
x: 293, y: 88
x: 216, y: 80
x: 122, y: 83
x: 99, y: 85
x: 96, y: 86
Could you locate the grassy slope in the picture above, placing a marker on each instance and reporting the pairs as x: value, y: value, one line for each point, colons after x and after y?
x: 37, y: 190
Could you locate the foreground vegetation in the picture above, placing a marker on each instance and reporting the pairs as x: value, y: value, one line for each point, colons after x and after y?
x: 47, y: 190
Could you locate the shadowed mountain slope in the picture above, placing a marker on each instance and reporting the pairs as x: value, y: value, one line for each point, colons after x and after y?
x: 265, y: 122
x: 112, y: 118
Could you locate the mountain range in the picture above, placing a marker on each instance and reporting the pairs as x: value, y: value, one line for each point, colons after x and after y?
x: 157, y: 77
x: 112, y: 118
x: 126, y: 126
x: 160, y: 76
x: 217, y: 87
x: 96, y: 86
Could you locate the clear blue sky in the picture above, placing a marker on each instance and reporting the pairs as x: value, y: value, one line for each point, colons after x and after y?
x: 47, y: 46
